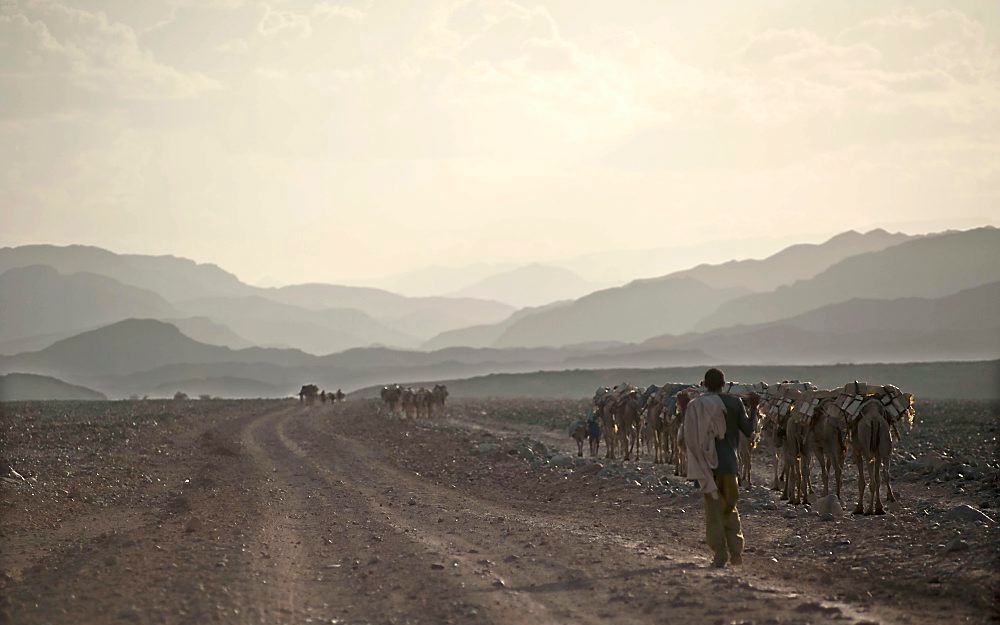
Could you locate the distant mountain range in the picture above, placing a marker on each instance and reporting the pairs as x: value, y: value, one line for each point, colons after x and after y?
x: 674, y: 303
x: 963, y: 326
x: 49, y: 292
x: 855, y: 298
x: 927, y: 267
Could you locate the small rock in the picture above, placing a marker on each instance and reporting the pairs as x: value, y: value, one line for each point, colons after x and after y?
x: 437, y: 567
x: 826, y: 516
x: 965, y: 512
x: 562, y: 460
x: 956, y: 544
x: 829, y: 505
x: 499, y: 583
x: 193, y: 525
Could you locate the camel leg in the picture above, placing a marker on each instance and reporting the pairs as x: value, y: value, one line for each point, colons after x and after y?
x: 579, y: 447
x: 824, y: 471
x: 860, y: 508
x: 889, y: 496
x: 872, y: 485
x: 876, y: 491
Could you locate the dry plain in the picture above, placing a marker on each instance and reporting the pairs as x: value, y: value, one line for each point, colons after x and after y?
x: 273, y: 512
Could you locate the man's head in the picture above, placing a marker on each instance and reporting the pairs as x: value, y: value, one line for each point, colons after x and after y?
x: 714, y: 379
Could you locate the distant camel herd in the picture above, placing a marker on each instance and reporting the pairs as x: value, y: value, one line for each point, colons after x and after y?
x: 310, y: 393
x: 414, y: 403
x: 803, y: 422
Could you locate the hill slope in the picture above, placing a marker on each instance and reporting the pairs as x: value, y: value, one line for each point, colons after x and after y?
x: 927, y: 267
x: 530, y: 285
x: 30, y: 387
x: 266, y: 322
x: 794, y: 263
x: 628, y: 313
x: 672, y: 303
x: 171, y: 277
x: 136, y: 345
x: 179, y: 279
x: 37, y: 300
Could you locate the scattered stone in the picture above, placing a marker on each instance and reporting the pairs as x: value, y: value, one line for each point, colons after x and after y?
x: 826, y: 516
x: 956, y: 544
x: 437, y: 567
x: 193, y: 525
x: 829, y: 505
x: 562, y: 460
x: 965, y: 512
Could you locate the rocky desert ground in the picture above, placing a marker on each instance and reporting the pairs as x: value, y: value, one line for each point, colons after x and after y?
x: 218, y: 511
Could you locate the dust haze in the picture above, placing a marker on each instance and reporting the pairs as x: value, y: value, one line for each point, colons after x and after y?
x: 395, y: 312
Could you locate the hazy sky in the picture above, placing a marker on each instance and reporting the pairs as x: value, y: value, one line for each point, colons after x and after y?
x: 327, y: 140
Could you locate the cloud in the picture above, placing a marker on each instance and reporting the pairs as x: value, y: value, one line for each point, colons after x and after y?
x: 51, y: 52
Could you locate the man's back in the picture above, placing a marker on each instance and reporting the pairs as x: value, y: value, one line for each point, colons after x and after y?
x: 737, y: 421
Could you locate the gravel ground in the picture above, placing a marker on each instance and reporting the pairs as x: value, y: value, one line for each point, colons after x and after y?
x: 272, y: 512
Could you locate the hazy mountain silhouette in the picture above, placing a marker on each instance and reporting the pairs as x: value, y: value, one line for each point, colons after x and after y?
x: 31, y: 387
x: 171, y: 277
x: 230, y: 387
x: 201, y: 329
x: 37, y: 300
x: 179, y: 279
x: 437, y: 279
x: 136, y: 345
x: 797, y: 262
x: 269, y: 323
x: 531, y: 285
x: 484, y: 335
x: 419, y: 317
x: 926, y: 267
x: 671, y: 303
x: 205, y: 330
x: 963, y: 326
x: 628, y: 313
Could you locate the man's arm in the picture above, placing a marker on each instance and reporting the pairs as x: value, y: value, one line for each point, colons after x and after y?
x: 745, y: 422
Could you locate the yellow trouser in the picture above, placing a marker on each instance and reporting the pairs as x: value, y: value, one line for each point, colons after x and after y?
x: 722, y: 520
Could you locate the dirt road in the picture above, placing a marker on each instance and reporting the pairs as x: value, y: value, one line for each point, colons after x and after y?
x: 276, y: 513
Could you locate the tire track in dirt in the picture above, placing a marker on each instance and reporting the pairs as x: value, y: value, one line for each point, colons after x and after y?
x: 362, y: 585
x: 435, y: 548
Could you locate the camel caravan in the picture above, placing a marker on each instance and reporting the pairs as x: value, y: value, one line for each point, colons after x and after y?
x: 803, y: 423
x: 414, y: 403
x: 309, y: 393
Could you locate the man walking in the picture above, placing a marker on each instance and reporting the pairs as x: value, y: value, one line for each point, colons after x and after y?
x: 712, y: 425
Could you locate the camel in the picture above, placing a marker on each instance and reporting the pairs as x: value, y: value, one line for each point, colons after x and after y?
x: 660, y: 406
x: 422, y: 402
x: 407, y: 399
x: 604, y: 407
x: 322, y: 397
x: 654, y: 430
x: 438, y: 396
x: 796, y: 460
x: 392, y: 397
x: 339, y: 396
x: 580, y: 432
x: 747, y: 445
x: 829, y: 428
x: 308, y: 394
x: 872, y: 444
x: 628, y: 417
x: 683, y: 398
